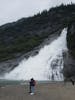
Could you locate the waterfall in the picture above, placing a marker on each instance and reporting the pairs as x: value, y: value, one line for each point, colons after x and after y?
x: 46, y: 65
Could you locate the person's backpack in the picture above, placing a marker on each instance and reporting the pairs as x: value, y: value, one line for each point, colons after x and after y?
x: 34, y: 82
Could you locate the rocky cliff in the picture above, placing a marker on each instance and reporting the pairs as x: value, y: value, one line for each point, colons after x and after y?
x: 69, y: 59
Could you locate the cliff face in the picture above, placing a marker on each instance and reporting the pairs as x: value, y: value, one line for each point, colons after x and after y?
x: 69, y: 59
x: 71, y: 39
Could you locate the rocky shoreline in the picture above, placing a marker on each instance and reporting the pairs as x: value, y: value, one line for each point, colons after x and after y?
x: 46, y: 91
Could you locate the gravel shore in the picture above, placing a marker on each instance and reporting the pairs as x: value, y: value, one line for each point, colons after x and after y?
x: 44, y: 91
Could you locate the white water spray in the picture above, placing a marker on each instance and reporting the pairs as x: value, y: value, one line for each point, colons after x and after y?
x: 47, y: 65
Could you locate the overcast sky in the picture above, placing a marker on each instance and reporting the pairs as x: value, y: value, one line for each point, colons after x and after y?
x: 12, y: 10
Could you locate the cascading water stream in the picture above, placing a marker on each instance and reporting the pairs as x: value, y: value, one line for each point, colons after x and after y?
x: 47, y: 65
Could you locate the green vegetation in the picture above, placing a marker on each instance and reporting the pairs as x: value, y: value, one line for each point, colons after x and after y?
x: 21, y: 44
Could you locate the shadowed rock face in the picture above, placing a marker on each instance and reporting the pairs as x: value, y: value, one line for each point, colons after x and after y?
x: 69, y: 66
x: 69, y: 58
x: 71, y: 39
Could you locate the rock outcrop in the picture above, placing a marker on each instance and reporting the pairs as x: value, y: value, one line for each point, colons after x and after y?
x: 69, y: 59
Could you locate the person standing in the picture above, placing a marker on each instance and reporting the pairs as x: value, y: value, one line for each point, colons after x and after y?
x: 32, y: 86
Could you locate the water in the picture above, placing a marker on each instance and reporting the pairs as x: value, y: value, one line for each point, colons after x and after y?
x: 4, y: 82
x: 47, y: 65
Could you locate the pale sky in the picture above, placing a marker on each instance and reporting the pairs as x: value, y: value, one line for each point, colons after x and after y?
x: 12, y: 10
